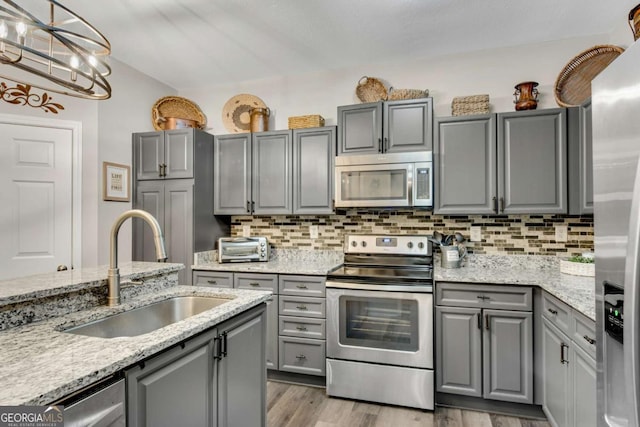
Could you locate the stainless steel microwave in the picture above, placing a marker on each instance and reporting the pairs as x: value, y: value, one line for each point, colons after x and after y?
x: 384, y: 180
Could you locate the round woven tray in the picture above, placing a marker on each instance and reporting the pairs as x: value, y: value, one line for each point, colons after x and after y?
x: 573, y: 85
x: 176, y: 107
x: 236, y: 113
x: 370, y: 89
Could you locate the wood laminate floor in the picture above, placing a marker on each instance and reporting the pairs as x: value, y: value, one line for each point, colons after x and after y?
x: 290, y: 405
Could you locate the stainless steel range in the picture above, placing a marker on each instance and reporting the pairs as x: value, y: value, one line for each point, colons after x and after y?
x: 380, y: 321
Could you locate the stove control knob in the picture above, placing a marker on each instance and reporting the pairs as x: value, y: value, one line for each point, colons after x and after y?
x: 410, y: 245
x: 354, y: 243
x: 364, y: 244
x: 421, y: 245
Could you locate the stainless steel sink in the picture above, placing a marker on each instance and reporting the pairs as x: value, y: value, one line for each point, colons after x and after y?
x: 148, y: 318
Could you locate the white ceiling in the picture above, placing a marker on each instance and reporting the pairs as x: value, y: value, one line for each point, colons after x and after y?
x: 197, y: 43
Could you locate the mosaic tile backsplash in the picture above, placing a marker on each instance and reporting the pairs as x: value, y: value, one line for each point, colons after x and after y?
x: 507, y: 234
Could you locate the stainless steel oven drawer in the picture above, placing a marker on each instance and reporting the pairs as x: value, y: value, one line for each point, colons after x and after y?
x: 302, y: 355
x: 306, y: 286
x: 302, y: 306
x: 303, y: 327
x: 256, y: 281
x: 215, y: 279
x: 497, y: 297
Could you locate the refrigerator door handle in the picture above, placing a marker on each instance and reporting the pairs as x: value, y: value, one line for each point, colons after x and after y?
x: 632, y: 305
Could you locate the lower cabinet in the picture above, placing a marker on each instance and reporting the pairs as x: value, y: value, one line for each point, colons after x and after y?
x: 480, y: 350
x: 215, y: 379
x: 569, y: 367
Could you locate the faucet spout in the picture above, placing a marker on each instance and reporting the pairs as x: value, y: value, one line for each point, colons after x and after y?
x: 113, y: 276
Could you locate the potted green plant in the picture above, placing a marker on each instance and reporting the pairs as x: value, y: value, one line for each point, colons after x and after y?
x: 579, y: 265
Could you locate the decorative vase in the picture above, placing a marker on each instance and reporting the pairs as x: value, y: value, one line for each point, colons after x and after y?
x: 634, y: 22
x: 259, y: 119
x: 526, y: 96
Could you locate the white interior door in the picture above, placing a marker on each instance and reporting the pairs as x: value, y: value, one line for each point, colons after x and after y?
x: 36, y: 194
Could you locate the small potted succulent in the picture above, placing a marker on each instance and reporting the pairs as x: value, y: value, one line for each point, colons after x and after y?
x: 579, y: 265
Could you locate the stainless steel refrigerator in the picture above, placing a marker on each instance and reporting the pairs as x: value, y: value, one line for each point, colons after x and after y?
x: 616, y: 151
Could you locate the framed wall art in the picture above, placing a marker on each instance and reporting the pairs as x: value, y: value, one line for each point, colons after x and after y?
x: 115, y: 179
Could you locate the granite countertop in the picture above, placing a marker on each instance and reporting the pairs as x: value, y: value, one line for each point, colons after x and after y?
x: 281, y: 261
x: 576, y: 291
x: 49, y: 284
x: 40, y: 364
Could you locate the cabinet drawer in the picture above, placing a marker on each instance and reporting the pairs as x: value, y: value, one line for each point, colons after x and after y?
x: 558, y: 313
x: 306, y: 286
x: 302, y: 355
x: 216, y: 279
x: 303, y: 327
x: 517, y: 298
x: 302, y: 306
x: 584, y: 333
x: 254, y: 281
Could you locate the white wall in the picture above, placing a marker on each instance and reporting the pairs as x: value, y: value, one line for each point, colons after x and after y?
x: 494, y: 72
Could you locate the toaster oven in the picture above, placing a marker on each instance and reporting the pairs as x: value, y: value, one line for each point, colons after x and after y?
x: 243, y: 249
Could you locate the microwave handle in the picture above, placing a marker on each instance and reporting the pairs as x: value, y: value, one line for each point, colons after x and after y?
x: 410, y: 173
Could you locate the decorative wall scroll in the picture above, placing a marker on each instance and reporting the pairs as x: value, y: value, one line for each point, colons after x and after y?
x: 21, y: 95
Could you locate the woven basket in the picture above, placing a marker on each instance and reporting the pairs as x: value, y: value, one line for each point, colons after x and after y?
x: 573, y: 85
x: 301, y: 122
x: 398, y: 94
x: 467, y: 105
x: 577, y: 268
x: 370, y: 89
x: 180, y: 109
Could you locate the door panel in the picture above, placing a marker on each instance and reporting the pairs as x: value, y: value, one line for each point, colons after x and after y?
x: 271, y: 173
x: 232, y: 168
x: 150, y: 198
x: 36, y: 166
x: 360, y: 129
x: 313, y: 154
x: 149, y: 154
x: 407, y: 126
x: 179, y: 153
x: 178, y: 226
x: 556, y: 382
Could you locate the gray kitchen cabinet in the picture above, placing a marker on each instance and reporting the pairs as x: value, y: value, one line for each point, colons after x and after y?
x: 272, y: 332
x: 214, y: 279
x: 386, y: 127
x: 518, y: 167
x: 580, y: 160
x: 484, y: 341
x: 232, y: 166
x: 215, y: 379
x: 271, y: 178
x: 568, y: 364
x: 314, y: 151
x: 183, y: 207
x: 165, y: 154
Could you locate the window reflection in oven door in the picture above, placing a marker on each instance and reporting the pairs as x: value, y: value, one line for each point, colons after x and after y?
x: 393, y: 328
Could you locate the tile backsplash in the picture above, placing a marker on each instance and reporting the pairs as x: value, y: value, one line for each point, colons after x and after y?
x: 506, y: 234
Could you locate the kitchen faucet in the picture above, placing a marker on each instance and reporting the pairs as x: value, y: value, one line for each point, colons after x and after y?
x: 113, y: 276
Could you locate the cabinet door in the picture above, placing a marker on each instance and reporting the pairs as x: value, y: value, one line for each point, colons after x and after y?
x: 178, y: 225
x: 458, y: 351
x: 532, y: 161
x: 242, y: 374
x: 175, y: 388
x: 408, y: 125
x: 580, y: 140
x: 508, y: 355
x: 178, y: 146
x: 583, y: 396
x: 148, y: 154
x: 213, y: 279
x: 149, y: 197
x: 555, y: 402
x: 360, y: 129
x: 272, y: 333
x: 271, y: 174
x: 465, y: 165
x: 313, y: 158
x: 232, y: 174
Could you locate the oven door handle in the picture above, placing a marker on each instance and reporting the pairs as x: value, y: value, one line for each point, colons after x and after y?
x: 426, y: 288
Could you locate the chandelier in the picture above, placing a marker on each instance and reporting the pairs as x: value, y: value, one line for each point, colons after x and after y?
x: 61, y: 51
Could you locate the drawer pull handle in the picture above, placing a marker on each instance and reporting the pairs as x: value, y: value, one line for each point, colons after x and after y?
x: 213, y: 282
x: 301, y: 357
x: 486, y: 322
x: 301, y: 328
x: 589, y: 340
x: 552, y: 311
x: 301, y: 307
x: 562, y: 359
x: 255, y: 284
x: 482, y: 297
x: 301, y: 286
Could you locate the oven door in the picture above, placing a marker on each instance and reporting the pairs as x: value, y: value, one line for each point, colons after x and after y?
x: 394, y: 328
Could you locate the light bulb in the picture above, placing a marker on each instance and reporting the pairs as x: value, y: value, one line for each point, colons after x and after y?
x: 93, y: 61
x: 4, y: 30
x: 74, y: 62
x: 21, y: 28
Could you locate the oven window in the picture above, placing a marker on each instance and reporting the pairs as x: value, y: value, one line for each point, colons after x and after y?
x: 386, y: 323
x: 374, y: 185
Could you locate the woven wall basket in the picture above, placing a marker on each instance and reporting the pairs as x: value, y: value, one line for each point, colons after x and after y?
x: 370, y: 89
x: 573, y: 85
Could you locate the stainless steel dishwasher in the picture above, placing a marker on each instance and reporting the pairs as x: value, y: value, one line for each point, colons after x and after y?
x: 98, y: 405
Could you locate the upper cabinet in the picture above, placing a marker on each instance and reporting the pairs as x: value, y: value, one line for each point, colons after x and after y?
x: 273, y: 173
x: 506, y: 163
x: 385, y: 127
x: 164, y: 154
x: 580, y: 160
